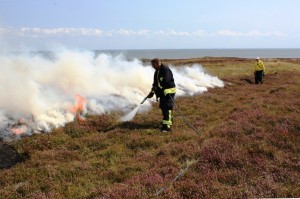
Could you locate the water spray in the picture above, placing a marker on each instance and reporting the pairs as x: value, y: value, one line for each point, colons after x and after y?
x: 129, y: 116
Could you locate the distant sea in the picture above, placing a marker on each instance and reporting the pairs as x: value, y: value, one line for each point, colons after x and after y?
x: 187, y: 53
x: 196, y: 53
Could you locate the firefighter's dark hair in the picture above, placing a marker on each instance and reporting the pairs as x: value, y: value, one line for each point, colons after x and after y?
x: 155, y: 61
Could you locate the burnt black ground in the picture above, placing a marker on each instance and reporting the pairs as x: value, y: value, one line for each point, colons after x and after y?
x: 9, y: 156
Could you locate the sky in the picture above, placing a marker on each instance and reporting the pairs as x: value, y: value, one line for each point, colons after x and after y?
x: 148, y: 24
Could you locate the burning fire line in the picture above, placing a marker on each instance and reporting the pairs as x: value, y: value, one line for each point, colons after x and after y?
x: 19, y: 128
x: 78, y: 108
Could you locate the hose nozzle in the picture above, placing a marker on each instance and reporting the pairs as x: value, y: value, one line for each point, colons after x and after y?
x: 144, y: 100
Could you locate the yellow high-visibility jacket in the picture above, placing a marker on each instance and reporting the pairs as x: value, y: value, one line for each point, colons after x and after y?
x: 259, y: 65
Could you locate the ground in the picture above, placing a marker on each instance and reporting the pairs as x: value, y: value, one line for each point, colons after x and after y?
x: 247, y: 145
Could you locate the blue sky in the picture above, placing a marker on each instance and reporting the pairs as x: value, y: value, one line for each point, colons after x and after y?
x: 149, y: 24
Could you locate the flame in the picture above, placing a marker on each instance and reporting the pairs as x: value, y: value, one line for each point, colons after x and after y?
x: 19, y: 130
x: 78, y: 107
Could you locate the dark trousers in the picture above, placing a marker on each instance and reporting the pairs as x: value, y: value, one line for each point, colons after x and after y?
x: 258, y: 77
x: 166, y: 104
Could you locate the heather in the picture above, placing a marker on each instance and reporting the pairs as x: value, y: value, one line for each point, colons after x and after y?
x: 247, y: 145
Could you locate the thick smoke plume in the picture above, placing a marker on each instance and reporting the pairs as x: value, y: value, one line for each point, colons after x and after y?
x: 41, y: 92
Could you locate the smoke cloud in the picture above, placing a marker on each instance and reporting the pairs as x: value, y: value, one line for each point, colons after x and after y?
x: 40, y: 92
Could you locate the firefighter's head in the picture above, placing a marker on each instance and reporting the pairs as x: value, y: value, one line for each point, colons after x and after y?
x: 155, y: 63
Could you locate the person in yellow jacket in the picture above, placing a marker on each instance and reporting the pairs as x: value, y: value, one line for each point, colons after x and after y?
x: 259, y: 71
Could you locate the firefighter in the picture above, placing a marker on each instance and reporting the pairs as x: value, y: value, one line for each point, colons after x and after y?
x: 259, y: 71
x: 164, y: 88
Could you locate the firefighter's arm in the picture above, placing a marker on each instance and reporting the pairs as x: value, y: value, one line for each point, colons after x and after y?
x: 153, y: 91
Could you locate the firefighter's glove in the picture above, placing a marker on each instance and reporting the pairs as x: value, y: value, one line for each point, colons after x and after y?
x: 263, y: 74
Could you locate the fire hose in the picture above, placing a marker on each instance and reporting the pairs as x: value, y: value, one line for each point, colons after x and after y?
x: 183, y: 117
x: 177, y: 108
x: 180, y: 174
x: 181, y: 114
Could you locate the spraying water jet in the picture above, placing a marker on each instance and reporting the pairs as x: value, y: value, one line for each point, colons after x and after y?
x: 129, y: 116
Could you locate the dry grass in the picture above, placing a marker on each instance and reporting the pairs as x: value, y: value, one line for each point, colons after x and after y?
x: 248, y: 146
x: 232, y: 67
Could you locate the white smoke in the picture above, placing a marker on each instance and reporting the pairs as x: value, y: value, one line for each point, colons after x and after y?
x: 192, y: 80
x: 39, y: 91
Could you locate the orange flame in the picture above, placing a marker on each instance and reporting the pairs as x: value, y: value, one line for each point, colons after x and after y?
x: 77, y: 109
x: 18, y: 131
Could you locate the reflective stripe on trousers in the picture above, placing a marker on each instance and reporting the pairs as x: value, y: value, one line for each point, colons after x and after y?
x: 167, y: 117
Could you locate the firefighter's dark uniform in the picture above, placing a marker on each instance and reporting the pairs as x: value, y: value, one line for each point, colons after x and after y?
x: 164, y: 89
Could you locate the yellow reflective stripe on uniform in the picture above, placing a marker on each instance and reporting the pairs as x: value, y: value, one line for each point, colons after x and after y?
x: 170, y: 91
x: 170, y: 117
x: 161, y: 79
x: 168, y: 122
x: 158, y: 83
